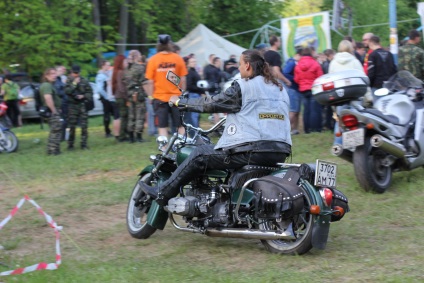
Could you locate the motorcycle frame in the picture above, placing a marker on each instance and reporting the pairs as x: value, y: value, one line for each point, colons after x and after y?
x: 157, y: 217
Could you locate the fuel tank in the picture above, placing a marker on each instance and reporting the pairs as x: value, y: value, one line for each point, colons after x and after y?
x: 398, y: 105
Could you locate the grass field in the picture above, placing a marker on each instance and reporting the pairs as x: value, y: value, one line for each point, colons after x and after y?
x: 86, y: 192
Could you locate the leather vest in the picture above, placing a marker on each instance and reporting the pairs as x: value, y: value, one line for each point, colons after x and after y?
x: 264, y: 115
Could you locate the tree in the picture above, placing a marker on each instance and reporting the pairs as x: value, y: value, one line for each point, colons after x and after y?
x: 38, y: 34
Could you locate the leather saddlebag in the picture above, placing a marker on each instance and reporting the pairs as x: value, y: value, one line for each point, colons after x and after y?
x: 277, y: 198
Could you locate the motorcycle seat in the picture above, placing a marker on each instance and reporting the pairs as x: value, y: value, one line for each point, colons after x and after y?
x: 247, y: 172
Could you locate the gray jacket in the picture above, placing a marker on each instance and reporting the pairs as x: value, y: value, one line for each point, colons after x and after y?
x: 257, y: 112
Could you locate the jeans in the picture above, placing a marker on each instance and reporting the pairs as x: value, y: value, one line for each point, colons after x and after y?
x: 192, y: 117
x: 295, y: 100
x: 312, y: 113
x: 150, y: 119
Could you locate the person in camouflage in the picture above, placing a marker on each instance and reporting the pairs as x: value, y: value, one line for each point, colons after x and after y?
x: 51, y: 99
x: 134, y: 78
x: 411, y: 57
x: 78, y: 90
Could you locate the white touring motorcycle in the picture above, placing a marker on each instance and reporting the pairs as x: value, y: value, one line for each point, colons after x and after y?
x: 381, y: 132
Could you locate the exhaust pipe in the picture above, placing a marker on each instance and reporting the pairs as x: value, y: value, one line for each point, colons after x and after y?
x: 249, y: 234
x: 344, y: 154
x: 237, y: 233
x: 388, y: 146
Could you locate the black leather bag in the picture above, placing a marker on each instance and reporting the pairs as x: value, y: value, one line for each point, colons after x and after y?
x: 89, y: 104
x: 339, y: 199
x: 44, y: 112
x: 277, y: 198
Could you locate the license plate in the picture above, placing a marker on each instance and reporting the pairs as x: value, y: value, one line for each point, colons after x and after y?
x: 353, y: 138
x: 325, y: 174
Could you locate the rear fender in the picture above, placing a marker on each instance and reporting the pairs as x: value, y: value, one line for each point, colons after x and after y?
x: 321, y: 227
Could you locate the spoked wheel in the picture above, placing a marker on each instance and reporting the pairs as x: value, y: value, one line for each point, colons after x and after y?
x: 9, y: 142
x: 138, y: 208
x: 299, y: 225
x: 370, y: 169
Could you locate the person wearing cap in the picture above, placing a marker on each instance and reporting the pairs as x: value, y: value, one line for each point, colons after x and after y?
x: 262, y: 48
x: 78, y: 90
x: 158, y: 89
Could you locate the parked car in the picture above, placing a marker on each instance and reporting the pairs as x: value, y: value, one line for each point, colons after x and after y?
x: 27, y: 102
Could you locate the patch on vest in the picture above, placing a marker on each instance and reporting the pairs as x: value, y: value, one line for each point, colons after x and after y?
x: 271, y: 116
x: 232, y: 129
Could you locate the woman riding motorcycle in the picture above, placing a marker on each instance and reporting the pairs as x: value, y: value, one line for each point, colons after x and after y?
x: 257, y: 129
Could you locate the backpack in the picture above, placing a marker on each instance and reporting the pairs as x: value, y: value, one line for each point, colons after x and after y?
x: 37, y: 98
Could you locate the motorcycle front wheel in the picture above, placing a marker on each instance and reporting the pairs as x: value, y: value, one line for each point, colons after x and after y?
x: 370, y: 170
x: 300, y: 226
x: 9, y: 143
x: 138, y: 208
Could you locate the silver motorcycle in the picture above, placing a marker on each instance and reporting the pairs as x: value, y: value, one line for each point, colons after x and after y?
x: 380, y: 133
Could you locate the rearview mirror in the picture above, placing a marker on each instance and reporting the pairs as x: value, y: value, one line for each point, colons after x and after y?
x: 173, y: 78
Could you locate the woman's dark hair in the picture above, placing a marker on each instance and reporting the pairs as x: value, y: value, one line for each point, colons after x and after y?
x: 46, y: 73
x: 259, y: 66
x: 118, y: 66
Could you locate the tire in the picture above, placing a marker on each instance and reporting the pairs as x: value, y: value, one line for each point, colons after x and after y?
x: 370, y: 172
x: 10, y: 142
x: 302, y: 225
x: 137, y: 215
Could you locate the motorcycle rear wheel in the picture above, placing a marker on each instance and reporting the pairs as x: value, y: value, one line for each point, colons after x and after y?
x: 370, y: 172
x: 302, y: 225
x: 137, y: 215
x: 9, y: 143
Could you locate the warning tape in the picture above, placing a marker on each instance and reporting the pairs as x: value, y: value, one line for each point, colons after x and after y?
x: 52, y: 224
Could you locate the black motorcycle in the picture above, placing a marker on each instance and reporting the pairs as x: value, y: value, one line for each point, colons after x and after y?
x: 288, y: 207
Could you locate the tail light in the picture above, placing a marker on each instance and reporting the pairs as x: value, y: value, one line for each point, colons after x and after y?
x: 327, y: 196
x: 338, y: 211
x: 350, y: 121
x: 22, y: 102
x: 328, y: 86
x: 315, y: 209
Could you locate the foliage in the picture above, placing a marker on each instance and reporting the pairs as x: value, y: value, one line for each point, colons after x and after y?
x: 39, y: 34
x: 369, y: 18
x: 301, y: 7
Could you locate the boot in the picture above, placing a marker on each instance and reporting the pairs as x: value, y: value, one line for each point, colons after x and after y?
x: 139, y: 138
x: 161, y: 199
x: 131, y: 137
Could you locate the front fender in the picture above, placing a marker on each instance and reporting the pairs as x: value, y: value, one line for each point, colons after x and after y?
x: 147, y: 169
x: 157, y: 216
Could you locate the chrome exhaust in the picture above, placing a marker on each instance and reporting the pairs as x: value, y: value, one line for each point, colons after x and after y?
x: 237, y: 233
x: 337, y: 150
x: 249, y: 234
x: 387, y: 145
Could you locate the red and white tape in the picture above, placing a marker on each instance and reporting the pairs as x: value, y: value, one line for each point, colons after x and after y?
x: 52, y: 224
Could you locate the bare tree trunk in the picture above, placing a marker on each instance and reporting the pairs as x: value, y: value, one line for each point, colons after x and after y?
x: 123, y: 27
x: 96, y: 21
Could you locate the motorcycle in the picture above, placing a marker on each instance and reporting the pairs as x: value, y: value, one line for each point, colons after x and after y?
x: 381, y: 132
x: 288, y: 207
x: 8, y: 140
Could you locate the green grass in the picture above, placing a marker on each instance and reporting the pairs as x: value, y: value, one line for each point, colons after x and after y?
x: 86, y: 192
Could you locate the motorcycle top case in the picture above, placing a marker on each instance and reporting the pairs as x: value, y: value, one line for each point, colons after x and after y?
x: 340, y: 87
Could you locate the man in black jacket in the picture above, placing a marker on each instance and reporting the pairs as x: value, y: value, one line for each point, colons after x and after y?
x: 381, y: 64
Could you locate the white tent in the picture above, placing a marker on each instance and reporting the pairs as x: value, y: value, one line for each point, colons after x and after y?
x: 202, y: 42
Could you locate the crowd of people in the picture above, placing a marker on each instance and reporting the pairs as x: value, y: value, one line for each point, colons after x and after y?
x: 134, y: 91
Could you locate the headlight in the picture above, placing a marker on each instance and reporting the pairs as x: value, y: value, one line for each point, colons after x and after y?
x: 162, y: 141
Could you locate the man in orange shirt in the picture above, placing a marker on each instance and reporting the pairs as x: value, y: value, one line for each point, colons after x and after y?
x: 159, y: 89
